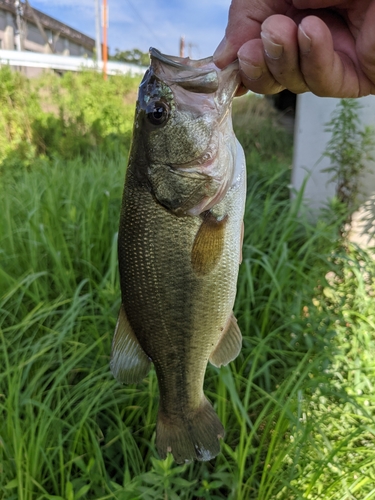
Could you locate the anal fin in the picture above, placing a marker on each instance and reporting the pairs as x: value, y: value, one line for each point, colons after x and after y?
x: 229, y: 345
x: 129, y: 363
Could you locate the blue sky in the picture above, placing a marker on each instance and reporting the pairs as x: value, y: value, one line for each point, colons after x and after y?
x: 144, y: 23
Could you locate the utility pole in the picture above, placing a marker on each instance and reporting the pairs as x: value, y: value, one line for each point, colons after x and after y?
x: 182, y: 46
x: 105, y: 48
x: 19, y: 33
x: 97, y: 29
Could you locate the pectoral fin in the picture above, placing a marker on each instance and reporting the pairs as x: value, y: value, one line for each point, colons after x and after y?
x: 129, y: 363
x: 229, y: 345
x: 208, y: 244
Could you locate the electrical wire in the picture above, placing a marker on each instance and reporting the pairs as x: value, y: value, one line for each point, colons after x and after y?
x: 146, y: 24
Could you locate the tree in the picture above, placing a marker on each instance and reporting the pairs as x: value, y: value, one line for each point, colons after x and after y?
x: 134, y: 56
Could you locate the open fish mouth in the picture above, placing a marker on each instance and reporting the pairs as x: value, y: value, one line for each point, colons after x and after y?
x: 179, y: 62
x: 200, y: 76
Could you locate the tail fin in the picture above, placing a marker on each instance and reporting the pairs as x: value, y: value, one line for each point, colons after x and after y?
x: 191, y: 436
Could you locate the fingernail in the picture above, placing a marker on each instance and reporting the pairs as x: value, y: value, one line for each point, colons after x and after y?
x: 221, y: 49
x: 273, y: 50
x: 250, y: 71
x: 304, y: 41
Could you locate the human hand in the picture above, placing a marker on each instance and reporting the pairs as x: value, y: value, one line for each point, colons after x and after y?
x: 323, y: 46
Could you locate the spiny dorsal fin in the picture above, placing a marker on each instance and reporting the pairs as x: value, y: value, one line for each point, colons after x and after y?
x: 129, y: 363
x: 208, y: 244
x: 229, y: 345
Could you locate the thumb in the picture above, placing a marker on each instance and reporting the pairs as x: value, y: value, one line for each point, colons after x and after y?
x: 241, y: 28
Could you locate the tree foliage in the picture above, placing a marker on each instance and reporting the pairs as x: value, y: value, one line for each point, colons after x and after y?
x: 134, y: 56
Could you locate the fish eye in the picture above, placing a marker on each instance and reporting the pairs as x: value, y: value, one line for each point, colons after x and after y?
x: 157, y: 113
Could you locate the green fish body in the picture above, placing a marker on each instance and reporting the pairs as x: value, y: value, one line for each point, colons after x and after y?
x: 180, y: 241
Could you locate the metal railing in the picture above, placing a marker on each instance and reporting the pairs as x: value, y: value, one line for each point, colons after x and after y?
x: 65, y: 63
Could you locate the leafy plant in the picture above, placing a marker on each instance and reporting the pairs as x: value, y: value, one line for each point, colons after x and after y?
x: 19, y: 103
x: 134, y: 56
x: 63, y: 117
x: 348, y: 150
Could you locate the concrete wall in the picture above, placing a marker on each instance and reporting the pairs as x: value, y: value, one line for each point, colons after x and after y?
x: 310, y: 141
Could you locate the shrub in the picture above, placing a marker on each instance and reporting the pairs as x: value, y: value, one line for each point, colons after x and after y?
x: 63, y: 117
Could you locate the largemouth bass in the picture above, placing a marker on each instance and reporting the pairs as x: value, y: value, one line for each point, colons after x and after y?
x: 179, y: 246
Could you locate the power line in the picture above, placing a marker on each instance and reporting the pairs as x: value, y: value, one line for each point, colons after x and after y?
x: 145, y: 24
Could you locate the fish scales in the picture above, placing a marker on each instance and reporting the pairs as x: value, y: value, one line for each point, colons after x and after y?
x: 179, y: 251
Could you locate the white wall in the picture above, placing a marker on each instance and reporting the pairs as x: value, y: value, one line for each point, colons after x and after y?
x: 310, y: 141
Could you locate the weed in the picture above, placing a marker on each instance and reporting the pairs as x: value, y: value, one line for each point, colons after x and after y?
x: 297, y: 404
x: 348, y: 150
x: 65, y: 117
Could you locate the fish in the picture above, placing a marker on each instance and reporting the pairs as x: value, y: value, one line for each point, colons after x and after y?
x: 179, y: 246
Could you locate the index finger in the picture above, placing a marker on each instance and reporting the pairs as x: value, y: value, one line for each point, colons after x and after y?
x: 244, y: 23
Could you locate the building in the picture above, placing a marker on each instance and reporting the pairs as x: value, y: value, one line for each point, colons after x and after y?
x: 24, y: 28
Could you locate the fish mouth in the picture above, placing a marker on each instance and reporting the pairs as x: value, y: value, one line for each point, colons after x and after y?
x: 179, y: 62
x: 200, y: 76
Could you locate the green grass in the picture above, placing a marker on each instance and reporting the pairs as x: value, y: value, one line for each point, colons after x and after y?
x: 298, y: 404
